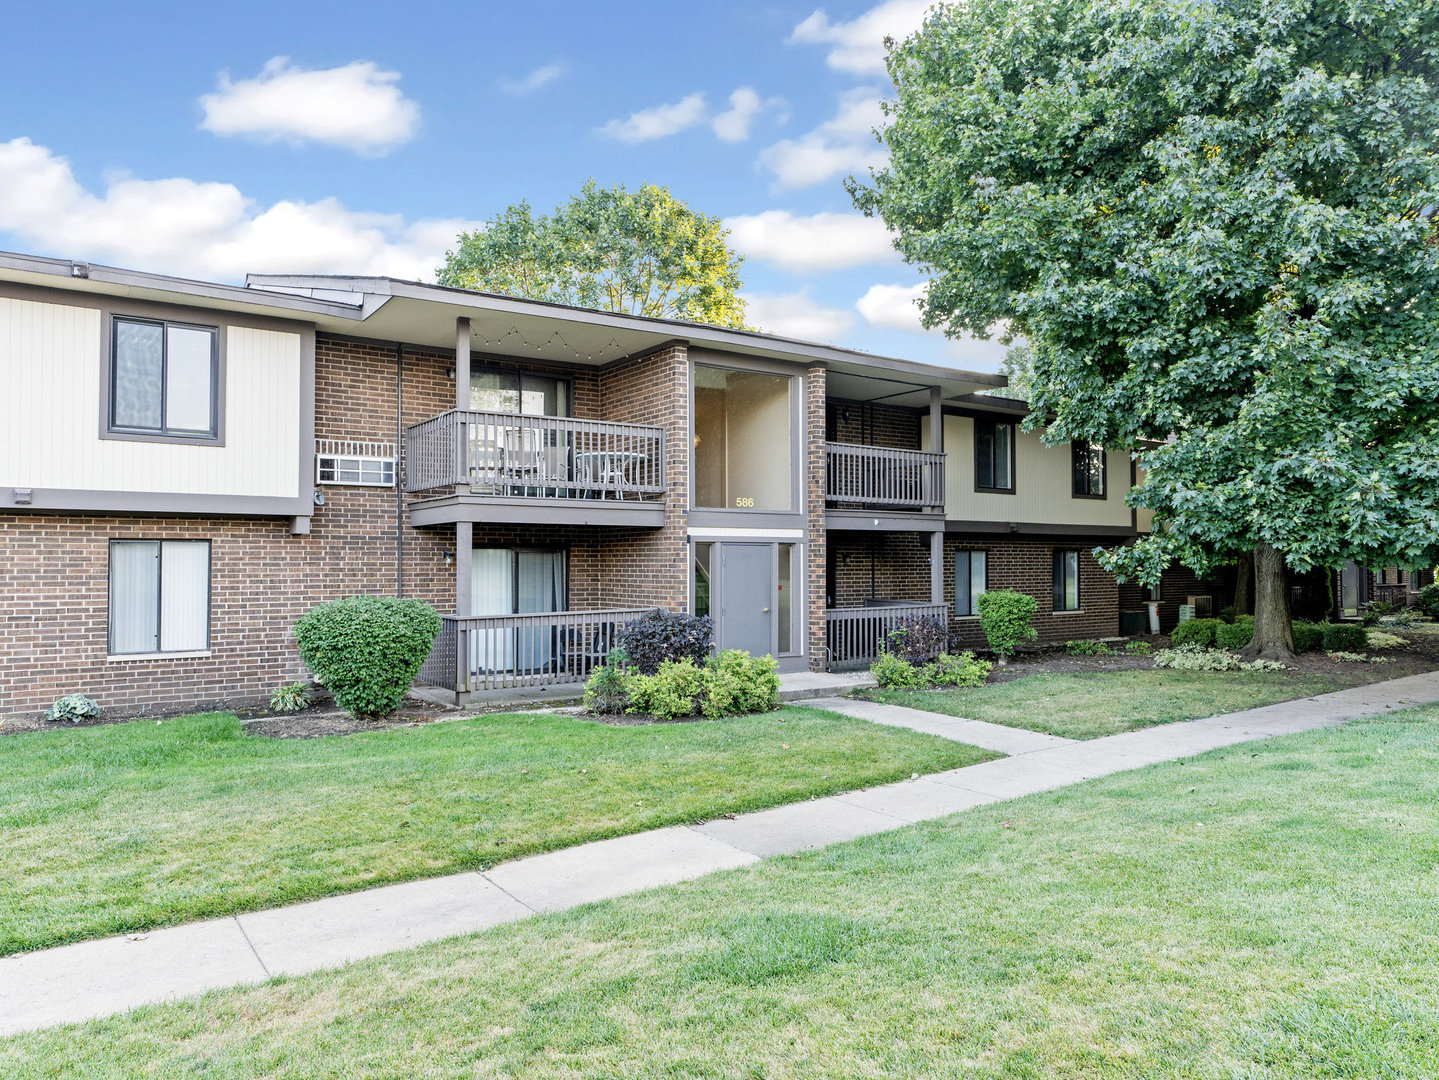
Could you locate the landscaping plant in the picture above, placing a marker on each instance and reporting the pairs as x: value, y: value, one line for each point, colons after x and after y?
x: 1235, y: 635
x: 1004, y: 616
x: 290, y: 698
x: 1378, y: 639
x: 1088, y: 648
x: 918, y: 638
x: 962, y: 669
x: 1197, y: 658
x: 1196, y: 632
x: 1345, y: 637
x: 1428, y: 600
x: 730, y: 684
x: 367, y: 650
x: 1138, y: 648
x: 893, y: 672
x: 1308, y: 636
x: 667, y: 635
x: 74, y: 708
x: 735, y: 682
x: 607, y: 691
x: 670, y: 692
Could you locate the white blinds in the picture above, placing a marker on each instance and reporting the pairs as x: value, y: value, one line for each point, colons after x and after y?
x: 159, y: 596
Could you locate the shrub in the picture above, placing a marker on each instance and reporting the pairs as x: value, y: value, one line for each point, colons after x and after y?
x: 918, y: 638
x: 1402, y: 618
x: 1005, y: 616
x: 367, y: 650
x: 1428, y: 600
x: 736, y: 682
x: 1378, y: 639
x: 669, y: 692
x: 1345, y: 637
x: 1346, y: 657
x: 964, y: 669
x: 292, y: 697
x: 1226, y: 614
x: 667, y: 635
x: 74, y: 708
x: 1376, y: 610
x: 1088, y: 648
x: 1200, y: 632
x: 1308, y: 636
x: 1197, y: 658
x: 1138, y: 648
x: 895, y: 673
x: 607, y: 690
x: 1235, y: 635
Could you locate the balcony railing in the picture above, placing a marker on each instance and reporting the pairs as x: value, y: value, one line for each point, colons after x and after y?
x: 495, y: 453
x: 878, y: 476
x: 491, y: 652
x: 854, y: 635
x: 1398, y: 595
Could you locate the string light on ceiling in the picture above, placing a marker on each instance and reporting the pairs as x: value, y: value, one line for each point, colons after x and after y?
x: 514, y: 341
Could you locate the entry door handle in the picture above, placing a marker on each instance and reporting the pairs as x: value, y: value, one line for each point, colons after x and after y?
x: 766, y: 611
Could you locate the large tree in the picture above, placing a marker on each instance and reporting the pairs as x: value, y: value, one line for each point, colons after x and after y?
x: 639, y: 252
x: 1214, y: 222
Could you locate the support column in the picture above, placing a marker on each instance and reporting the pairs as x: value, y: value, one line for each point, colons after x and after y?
x: 462, y: 363
x: 936, y: 539
x: 936, y: 567
x: 936, y: 421
x: 464, y: 551
x: 462, y: 433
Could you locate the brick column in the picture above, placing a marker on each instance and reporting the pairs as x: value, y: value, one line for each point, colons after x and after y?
x: 814, y: 487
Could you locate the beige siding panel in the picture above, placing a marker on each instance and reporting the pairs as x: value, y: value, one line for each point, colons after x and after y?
x: 50, y: 381
x: 1043, y: 486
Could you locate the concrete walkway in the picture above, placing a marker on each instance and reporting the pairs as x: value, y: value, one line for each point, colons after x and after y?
x: 96, y: 978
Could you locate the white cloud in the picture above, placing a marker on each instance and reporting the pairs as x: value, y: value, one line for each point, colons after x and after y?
x: 205, y: 229
x: 796, y: 315
x: 658, y: 122
x: 745, y: 105
x: 357, y: 106
x: 893, y: 306
x: 843, y: 144
x: 808, y: 243
x: 857, y: 46
x: 535, y: 80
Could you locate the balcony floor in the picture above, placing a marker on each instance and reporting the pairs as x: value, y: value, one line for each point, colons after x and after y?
x: 533, y: 510
x: 883, y: 519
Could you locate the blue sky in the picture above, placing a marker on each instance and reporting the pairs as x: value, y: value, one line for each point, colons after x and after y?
x: 210, y: 140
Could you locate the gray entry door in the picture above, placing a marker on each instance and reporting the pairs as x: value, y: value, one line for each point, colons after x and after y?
x: 747, y: 598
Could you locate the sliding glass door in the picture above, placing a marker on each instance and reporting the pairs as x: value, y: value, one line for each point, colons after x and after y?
x: 512, y: 581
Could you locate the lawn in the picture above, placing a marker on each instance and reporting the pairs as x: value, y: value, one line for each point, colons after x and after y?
x: 1269, y: 911
x: 112, y: 829
x: 1086, y: 706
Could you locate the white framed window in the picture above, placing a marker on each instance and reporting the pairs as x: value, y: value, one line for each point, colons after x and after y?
x: 971, y: 579
x: 159, y: 596
x: 358, y: 464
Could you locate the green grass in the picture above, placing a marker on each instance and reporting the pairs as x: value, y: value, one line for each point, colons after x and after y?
x: 113, y: 829
x: 1087, y: 706
x: 1265, y: 912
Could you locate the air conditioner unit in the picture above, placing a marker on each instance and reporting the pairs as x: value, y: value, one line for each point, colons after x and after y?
x: 1203, y: 606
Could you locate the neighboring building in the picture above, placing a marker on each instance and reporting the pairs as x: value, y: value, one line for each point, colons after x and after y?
x: 186, y: 468
x: 1356, y: 587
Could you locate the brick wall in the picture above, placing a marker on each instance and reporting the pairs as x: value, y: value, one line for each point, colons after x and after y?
x: 814, y: 489
x: 867, y: 424
x: 889, y: 566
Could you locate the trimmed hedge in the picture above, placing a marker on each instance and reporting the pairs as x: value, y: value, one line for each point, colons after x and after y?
x: 1236, y: 635
x: 1308, y: 636
x: 367, y: 650
x: 1004, y: 616
x: 1345, y: 637
x: 1200, y: 632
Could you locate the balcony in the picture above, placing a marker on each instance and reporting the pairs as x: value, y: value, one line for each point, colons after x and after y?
x: 497, y: 652
x: 854, y: 636
x: 900, y: 484
x: 500, y: 467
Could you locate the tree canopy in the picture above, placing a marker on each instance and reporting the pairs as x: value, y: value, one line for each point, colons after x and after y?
x: 1214, y: 223
x: 638, y: 252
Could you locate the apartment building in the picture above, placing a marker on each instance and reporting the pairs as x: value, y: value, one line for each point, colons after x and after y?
x: 187, y: 467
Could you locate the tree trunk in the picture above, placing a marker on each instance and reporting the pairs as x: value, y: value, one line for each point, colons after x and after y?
x: 1273, y: 630
x: 1244, y: 585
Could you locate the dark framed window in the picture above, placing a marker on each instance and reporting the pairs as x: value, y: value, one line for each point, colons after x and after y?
x: 1066, y: 581
x: 159, y: 596
x: 1089, y: 470
x: 164, y: 378
x: 993, y: 456
x: 971, y: 579
x: 519, y: 392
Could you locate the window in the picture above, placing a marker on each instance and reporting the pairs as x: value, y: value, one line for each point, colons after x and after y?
x: 1089, y: 470
x: 993, y: 456
x: 785, y: 600
x: 520, y: 393
x: 971, y: 578
x: 360, y: 471
x: 742, y: 440
x: 1066, y: 581
x: 159, y: 596
x: 700, y: 579
x: 163, y: 379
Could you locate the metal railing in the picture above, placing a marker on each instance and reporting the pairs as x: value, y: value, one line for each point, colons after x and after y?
x: 497, y: 453
x: 1398, y: 595
x: 854, y: 635
x: 879, y: 476
x: 490, y: 652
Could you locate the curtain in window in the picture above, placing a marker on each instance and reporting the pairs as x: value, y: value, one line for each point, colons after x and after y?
x: 134, y: 588
x: 541, y: 581
x: 184, y: 596
x: 139, y: 363
x: 491, y: 593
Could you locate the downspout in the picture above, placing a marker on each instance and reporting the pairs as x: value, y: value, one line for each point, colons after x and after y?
x: 399, y: 478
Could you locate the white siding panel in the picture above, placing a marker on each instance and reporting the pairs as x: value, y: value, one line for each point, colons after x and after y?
x: 51, y: 370
x: 1043, y: 486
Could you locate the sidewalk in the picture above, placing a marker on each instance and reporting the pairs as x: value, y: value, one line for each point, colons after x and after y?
x: 96, y: 978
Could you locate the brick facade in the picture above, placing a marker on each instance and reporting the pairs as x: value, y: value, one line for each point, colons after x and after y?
x: 867, y: 424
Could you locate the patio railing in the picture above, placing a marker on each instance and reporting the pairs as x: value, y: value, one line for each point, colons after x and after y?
x: 879, y: 476
x: 491, y: 652
x: 854, y: 635
x: 1398, y: 595
x: 495, y: 453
